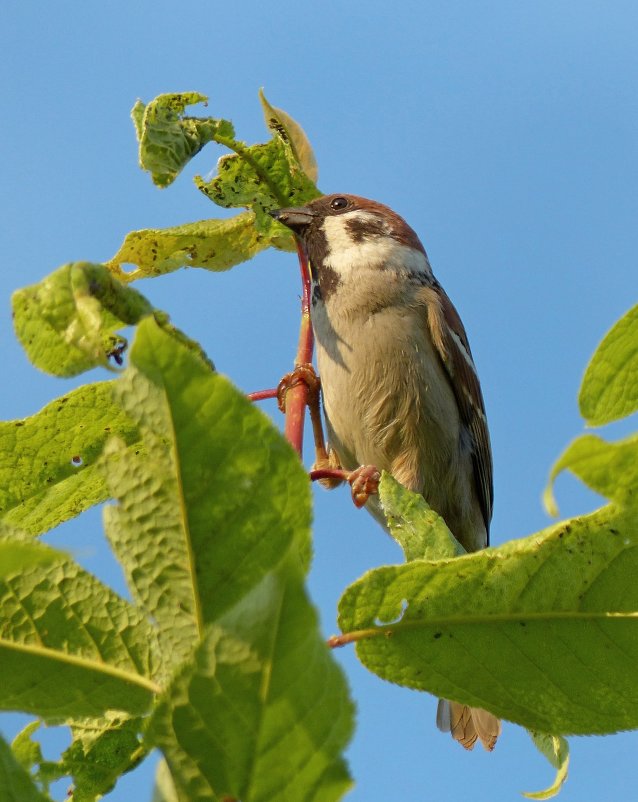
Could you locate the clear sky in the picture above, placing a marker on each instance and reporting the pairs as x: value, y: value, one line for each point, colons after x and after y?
x: 506, y: 133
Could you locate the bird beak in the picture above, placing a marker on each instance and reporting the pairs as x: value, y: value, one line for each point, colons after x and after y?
x: 296, y: 219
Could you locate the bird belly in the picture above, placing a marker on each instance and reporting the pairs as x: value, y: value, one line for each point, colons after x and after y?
x: 388, y: 403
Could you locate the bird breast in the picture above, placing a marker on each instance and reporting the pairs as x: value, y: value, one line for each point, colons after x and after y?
x: 386, y: 398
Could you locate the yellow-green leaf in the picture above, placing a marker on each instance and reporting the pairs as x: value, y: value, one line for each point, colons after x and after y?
x: 67, y: 323
x: 556, y: 750
x: 168, y: 140
x: 610, y: 469
x: 557, y: 611
x: 211, y: 244
x: 282, y: 124
x: 610, y: 387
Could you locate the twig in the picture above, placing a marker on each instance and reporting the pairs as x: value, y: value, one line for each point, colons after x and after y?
x: 262, y: 395
x: 297, y: 396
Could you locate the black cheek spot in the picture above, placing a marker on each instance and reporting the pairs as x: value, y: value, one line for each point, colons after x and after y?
x: 363, y: 228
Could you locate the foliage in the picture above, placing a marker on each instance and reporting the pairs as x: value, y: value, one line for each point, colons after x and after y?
x: 218, y: 660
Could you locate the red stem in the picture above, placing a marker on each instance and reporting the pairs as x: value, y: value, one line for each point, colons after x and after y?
x: 262, y: 395
x: 297, y: 396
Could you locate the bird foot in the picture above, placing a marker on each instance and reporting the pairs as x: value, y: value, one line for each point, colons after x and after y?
x: 364, y: 482
x: 302, y: 374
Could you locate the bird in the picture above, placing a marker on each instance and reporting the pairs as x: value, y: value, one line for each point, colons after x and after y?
x: 399, y: 386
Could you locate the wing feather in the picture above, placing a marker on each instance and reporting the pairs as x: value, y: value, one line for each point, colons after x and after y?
x: 450, y: 340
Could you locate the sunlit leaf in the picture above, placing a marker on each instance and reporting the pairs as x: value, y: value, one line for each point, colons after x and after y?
x: 164, y: 789
x: 18, y: 554
x: 556, y: 750
x: 48, y: 462
x: 260, y: 177
x: 67, y: 323
x: 211, y: 244
x: 71, y: 647
x: 610, y: 469
x: 558, y: 611
x: 287, y: 129
x: 417, y: 528
x: 168, y: 139
x: 261, y: 712
x: 101, y: 750
x: 610, y: 387
x: 224, y: 496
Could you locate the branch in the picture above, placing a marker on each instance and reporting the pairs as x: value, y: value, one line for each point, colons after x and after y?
x: 297, y: 396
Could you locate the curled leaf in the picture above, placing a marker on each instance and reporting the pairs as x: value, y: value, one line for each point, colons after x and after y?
x: 290, y: 132
x: 610, y: 469
x: 168, y: 140
x: 67, y: 323
x: 417, y: 528
x: 210, y: 244
x: 556, y: 750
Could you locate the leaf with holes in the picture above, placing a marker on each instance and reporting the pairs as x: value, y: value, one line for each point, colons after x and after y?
x: 541, y: 631
x: 69, y: 646
x: 168, y: 139
x: 49, y: 461
x: 67, y: 323
x: 210, y: 244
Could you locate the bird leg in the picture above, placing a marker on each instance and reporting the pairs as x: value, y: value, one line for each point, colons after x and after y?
x: 305, y: 374
x: 363, y: 481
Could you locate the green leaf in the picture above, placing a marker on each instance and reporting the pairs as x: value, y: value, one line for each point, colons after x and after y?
x: 609, y: 389
x: 292, y: 135
x: 49, y: 461
x: 164, y: 790
x: 71, y: 647
x: 610, y: 469
x: 102, y: 750
x: 556, y: 750
x: 211, y: 244
x: 221, y: 500
x: 167, y: 139
x: 260, y: 177
x: 18, y: 554
x: 417, y: 528
x: 541, y: 631
x: 261, y: 712
x: 15, y: 783
x: 67, y: 322
x: 25, y: 750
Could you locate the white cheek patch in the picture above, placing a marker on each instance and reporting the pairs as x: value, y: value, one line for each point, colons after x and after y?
x: 346, y: 256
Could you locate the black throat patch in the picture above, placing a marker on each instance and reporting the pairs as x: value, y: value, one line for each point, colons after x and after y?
x: 327, y: 279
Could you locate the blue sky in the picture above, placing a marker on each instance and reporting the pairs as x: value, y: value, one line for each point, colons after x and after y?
x: 505, y: 133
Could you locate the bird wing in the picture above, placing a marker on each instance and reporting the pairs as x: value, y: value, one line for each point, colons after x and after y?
x: 450, y: 340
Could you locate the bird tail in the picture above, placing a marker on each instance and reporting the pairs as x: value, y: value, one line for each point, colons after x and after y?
x: 467, y: 724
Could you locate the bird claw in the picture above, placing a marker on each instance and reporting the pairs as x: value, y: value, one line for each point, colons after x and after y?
x: 364, y: 482
x: 302, y: 374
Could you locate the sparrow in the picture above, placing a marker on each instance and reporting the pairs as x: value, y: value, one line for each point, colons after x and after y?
x: 400, y: 389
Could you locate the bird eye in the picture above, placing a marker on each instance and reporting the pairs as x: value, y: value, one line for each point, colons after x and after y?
x: 338, y: 203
